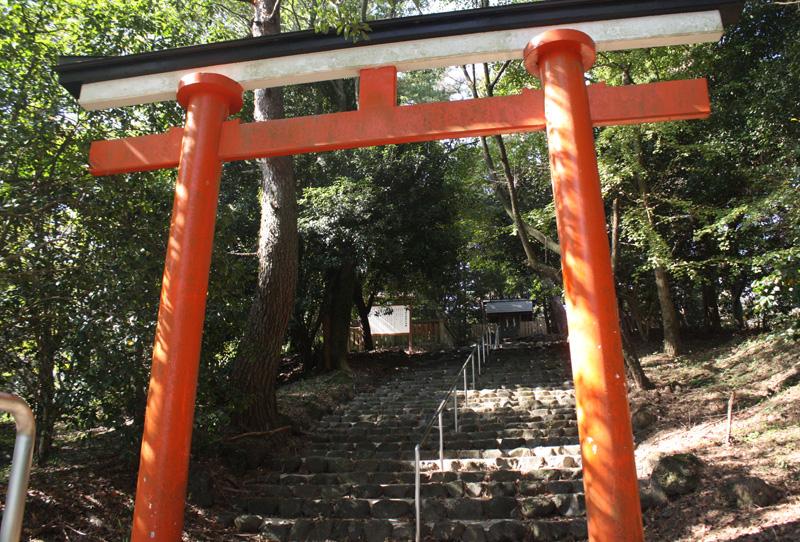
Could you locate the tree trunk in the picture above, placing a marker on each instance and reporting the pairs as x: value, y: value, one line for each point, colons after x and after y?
x: 669, y: 318
x: 336, y: 320
x: 614, y: 235
x: 558, y: 315
x: 255, y: 368
x: 629, y: 355
x: 364, y: 308
x: 736, y: 302
x: 635, y: 311
x: 633, y: 364
x: 711, y: 318
x: 46, y: 408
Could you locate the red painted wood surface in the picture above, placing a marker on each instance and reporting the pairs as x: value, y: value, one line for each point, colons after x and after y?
x: 559, y: 58
x: 164, y: 459
x: 380, y: 122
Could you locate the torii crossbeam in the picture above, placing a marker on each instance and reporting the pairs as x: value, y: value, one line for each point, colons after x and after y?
x: 565, y: 107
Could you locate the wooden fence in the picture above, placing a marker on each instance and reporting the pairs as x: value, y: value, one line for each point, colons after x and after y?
x: 425, y: 336
x: 526, y: 329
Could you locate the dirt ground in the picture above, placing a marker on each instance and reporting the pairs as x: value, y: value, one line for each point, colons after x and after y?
x: 86, y: 493
x: 691, y: 402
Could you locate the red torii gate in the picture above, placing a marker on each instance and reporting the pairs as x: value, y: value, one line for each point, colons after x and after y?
x: 565, y: 107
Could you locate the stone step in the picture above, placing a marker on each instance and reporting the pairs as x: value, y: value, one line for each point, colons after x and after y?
x: 454, y: 488
x: 462, y: 442
x: 380, y: 431
x: 478, y: 407
x: 522, y: 389
x: 468, y: 416
x: 381, y: 530
x: 324, y: 464
x: 511, y: 472
x: 432, y: 452
x: 433, y: 477
x: 432, y: 509
x: 393, y: 440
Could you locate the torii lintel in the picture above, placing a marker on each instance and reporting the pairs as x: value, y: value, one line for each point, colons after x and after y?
x: 380, y: 121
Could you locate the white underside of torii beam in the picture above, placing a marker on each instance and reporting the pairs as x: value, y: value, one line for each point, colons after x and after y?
x: 610, y: 35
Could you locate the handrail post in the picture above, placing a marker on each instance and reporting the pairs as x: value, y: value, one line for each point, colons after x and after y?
x: 466, y: 396
x: 20, y: 465
x: 473, y: 372
x: 455, y: 411
x: 441, y: 442
x: 416, y: 490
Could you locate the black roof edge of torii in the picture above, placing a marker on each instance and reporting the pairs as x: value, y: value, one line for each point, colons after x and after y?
x: 74, y: 71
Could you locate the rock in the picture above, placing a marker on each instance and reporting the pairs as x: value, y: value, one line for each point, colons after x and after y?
x: 536, y: 507
x: 256, y: 453
x: 447, y: 530
x: 315, y: 465
x: 317, y: 509
x: 275, y: 530
x: 397, y: 491
x: 351, y: 508
x: 434, y: 491
x: 290, y: 508
x: 507, y: 531
x: 455, y: 489
x: 530, y: 488
x: 377, y: 530
x: 643, y: 418
x: 249, y: 523
x: 387, y: 509
x: 333, y: 492
x: 301, y: 529
x: 499, y: 507
x: 322, y: 530
x: 432, y: 510
x: 677, y: 474
x: 570, y: 505
x: 473, y: 489
x: 473, y: 533
x: 749, y: 491
x: 370, y: 491
x: 200, y: 490
x: 651, y: 496
x: 503, y: 489
x: 265, y: 506
x: 464, y: 509
x: 348, y: 530
x: 407, y: 531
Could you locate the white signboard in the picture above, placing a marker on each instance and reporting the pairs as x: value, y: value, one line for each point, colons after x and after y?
x: 390, y: 320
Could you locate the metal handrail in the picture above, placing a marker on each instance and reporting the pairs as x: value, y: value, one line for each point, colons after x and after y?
x: 480, y: 351
x: 20, y: 465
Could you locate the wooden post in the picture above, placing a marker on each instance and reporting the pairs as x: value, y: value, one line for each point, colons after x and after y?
x: 164, y: 462
x: 559, y: 58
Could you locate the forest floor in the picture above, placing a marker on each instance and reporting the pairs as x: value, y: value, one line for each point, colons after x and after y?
x: 86, y: 492
x: 691, y: 402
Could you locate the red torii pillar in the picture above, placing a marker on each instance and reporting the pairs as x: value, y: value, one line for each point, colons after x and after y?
x: 568, y: 109
x: 559, y: 58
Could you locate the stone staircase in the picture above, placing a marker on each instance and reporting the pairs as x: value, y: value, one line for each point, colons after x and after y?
x: 512, y: 471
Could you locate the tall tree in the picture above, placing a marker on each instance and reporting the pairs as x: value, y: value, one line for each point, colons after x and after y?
x: 255, y: 368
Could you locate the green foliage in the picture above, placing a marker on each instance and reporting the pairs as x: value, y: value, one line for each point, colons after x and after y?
x: 81, y: 258
x: 715, y: 201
